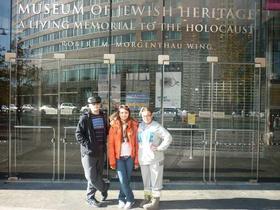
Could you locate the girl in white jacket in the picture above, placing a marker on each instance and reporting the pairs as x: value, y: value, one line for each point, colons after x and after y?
x: 153, y: 140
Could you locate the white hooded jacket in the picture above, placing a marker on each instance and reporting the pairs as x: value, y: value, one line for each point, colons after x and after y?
x: 155, y: 134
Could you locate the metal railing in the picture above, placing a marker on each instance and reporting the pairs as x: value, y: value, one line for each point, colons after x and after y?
x: 52, y: 141
x: 204, y: 142
x: 65, y: 148
x: 65, y: 152
x: 251, y: 144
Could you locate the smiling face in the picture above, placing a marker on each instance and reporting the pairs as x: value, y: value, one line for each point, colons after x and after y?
x: 147, y: 116
x: 124, y: 114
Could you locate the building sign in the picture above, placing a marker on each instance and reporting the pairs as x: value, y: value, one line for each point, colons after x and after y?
x: 137, y: 100
x: 191, y: 119
x: 171, y: 90
x: 182, y: 19
x: 192, y: 18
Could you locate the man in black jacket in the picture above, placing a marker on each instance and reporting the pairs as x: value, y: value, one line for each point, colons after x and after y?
x: 91, y: 133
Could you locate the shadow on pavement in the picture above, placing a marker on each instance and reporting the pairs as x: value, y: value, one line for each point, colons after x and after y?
x: 234, y: 203
x: 173, y: 186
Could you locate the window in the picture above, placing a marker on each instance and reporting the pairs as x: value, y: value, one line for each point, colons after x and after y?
x: 173, y: 35
x: 46, y: 38
x: 56, y: 48
x: 69, y: 32
x: 85, y: 74
x: 86, y: 16
x: 86, y: 3
x: 148, y: 36
x: 56, y: 35
x: 72, y: 75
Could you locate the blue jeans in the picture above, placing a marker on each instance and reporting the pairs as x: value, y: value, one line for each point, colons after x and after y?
x: 124, y: 170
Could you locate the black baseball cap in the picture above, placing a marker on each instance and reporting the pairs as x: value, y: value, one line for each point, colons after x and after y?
x: 94, y: 100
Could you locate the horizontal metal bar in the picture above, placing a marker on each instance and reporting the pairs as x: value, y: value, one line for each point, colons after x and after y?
x: 233, y: 144
x: 186, y: 129
x: 239, y: 130
x: 38, y: 127
x: 29, y: 126
x: 70, y: 127
x: 225, y: 63
x: 54, y: 59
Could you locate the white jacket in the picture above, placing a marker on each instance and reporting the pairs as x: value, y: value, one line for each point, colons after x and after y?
x: 154, y: 134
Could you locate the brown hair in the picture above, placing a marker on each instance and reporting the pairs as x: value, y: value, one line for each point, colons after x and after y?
x: 146, y: 109
x: 113, y: 116
x: 125, y: 107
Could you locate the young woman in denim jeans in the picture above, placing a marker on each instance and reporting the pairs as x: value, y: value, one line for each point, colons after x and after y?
x: 123, y: 152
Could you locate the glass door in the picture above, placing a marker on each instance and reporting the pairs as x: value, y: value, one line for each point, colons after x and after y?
x: 47, y: 98
x: 239, y: 122
x: 214, y: 112
x: 184, y: 100
x: 80, y: 79
x: 4, y: 119
x: 33, y: 118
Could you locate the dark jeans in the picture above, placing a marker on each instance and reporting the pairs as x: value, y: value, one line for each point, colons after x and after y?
x: 93, y: 169
x: 124, y: 170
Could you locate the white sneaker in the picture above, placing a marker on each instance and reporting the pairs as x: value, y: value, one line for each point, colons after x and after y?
x: 121, y: 204
x: 128, y: 205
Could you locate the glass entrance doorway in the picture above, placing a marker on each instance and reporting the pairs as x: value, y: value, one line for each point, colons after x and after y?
x: 48, y: 96
x: 214, y: 112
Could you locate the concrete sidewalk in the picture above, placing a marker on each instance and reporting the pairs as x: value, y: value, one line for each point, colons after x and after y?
x: 70, y: 196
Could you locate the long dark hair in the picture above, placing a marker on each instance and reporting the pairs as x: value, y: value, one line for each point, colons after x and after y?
x: 125, y: 107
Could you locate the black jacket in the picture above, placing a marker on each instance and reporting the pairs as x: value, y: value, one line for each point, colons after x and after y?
x: 85, y: 135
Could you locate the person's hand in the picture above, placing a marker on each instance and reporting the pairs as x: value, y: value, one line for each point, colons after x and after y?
x: 136, y: 167
x: 113, y: 167
x: 153, y: 147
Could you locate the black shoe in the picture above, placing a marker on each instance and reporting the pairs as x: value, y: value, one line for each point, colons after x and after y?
x: 93, y: 202
x: 105, y: 193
